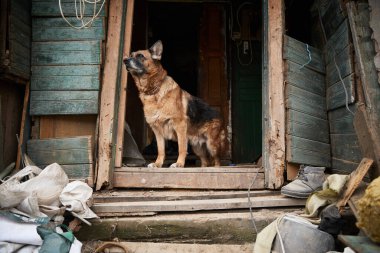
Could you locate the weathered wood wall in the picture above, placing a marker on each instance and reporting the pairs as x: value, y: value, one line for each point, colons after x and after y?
x: 15, y: 38
x: 307, y: 133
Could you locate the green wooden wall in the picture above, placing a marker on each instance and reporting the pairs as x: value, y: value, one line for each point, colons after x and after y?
x: 15, y: 41
x: 307, y: 130
x: 66, y: 62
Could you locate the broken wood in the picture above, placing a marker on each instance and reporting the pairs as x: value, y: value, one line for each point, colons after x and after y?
x: 353, y: 182
x: 107, y: 114
x: 123, y: 85
x: 20, y: 150
x: 273, y: 99
x: 189, y: 178
x: 368, y: 131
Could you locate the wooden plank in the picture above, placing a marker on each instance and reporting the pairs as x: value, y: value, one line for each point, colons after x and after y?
x: 56, y: 29
x: 345, y: 64
x: 63, y: 107
x: 196, y: 205
x: 149, y: 195
x: 332, y: 15
x: 364, y: 53
x: 62, y: 151
x: 336, y: 95
x: 123, y: 83
x: 302, y: 143
x: 112, y: 68
x: 189, y: 178
x: 306, y: 79
x: 51, y: 8
x: 273, y: 95
x: 341, y: 166
x: 63, y: 95
x: 296, y: 51
x: 345, y: 146
x: 341, y: 120
x: 20, y: 31
x: 306, y: 102
x: 337, y: 42
x: 360, y: 244
x: 65, y: 83
x: 305, y: 126
x: 374, y: 20
x: 22, y: 127
x: 355, y: 178
x: 21, y: 10
x: 68, y: 70
x: 65, y: 53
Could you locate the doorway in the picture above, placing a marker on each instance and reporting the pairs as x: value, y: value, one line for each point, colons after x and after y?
x: 213, y: 51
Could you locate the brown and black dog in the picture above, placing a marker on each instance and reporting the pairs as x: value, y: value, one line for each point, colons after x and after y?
x: 173, y: 113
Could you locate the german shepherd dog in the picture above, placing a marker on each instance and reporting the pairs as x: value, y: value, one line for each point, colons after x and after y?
x: 173, y: 113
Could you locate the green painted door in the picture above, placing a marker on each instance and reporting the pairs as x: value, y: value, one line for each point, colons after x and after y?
x: 246, y: 105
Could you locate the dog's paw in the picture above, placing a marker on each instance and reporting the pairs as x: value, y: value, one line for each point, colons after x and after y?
x: 176, y: 165
x: 152, y: 165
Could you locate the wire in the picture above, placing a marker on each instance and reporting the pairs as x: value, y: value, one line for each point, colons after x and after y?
x: 250, y: 202
x: 336, y: 65
x: 308, y: 51
x: 80, y: 15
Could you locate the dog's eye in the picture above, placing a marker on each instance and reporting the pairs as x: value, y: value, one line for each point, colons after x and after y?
x: 140, y: 57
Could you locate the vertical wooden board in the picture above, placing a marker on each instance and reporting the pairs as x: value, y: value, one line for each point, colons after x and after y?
x: 337, y: 42
x: 51, y: 8
x: 123, y: 84
x: 298, y: 52
x: 336, y: 95
x: 107, y: 101
x: 306, y: 79
x: 273, y: 95
x: 373, y: 22
x: 56, y: 29
x: 343, y: 61
x: 305, y: 126
x: 24, y: 118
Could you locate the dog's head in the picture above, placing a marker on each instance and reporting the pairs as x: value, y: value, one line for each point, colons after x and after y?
x: 144, y: 61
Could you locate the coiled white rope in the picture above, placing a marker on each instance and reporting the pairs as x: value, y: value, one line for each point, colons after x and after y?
x: 80, y: 14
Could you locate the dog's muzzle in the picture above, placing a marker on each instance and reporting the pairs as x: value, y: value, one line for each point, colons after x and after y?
x: 133, y: 65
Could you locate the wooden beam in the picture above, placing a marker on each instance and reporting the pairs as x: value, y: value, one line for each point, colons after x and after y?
x: 22, y: 128
x: 107, y: 98
x: 123, y: 84
x: 368, y: 131
x: 189, y: 178
x: 196, y: 205
x: 273, y: 95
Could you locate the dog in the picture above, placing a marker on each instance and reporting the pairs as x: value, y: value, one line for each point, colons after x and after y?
x: 174, y: 114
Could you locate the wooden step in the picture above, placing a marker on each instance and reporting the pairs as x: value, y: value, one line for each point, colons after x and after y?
x: 190, y: 178
x: 124, y: 208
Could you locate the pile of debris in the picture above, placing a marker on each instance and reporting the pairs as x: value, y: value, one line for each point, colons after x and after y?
x: 40, y: 210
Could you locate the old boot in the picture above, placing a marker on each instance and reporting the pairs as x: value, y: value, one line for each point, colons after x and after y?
x: 309, y: 179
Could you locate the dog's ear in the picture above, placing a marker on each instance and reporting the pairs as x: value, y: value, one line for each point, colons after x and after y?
x: 156, y: 50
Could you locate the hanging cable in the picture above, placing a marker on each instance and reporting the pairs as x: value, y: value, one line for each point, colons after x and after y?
x: 80, y: 14
x: 309, y: 53
x: 334, y: 58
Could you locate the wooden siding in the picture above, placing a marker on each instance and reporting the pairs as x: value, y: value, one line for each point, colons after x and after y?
x: 66, y: 62
x: 307, y: 133
x: 16, y: 38
x: 73, y: 154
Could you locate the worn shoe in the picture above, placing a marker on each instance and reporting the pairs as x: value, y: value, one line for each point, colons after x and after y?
x: 308, y: 180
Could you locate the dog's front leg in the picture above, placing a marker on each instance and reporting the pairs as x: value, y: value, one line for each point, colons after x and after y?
x: 181, y: 131
x: 161, y: 150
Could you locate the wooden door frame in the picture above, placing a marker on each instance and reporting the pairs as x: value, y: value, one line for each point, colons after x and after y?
x: 273, y: 93
x: 110, y: 147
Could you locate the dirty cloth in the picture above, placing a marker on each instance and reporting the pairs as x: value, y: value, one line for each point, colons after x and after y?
x: 290, y: 233
x: 7, y: 247
x: 369, y: 211
x: 77, y: 198
x: 41, y: 190
x: 331, y: 189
